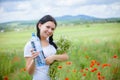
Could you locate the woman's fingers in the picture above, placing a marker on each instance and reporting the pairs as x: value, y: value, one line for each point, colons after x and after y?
x: 35, y: 54
x: 32, y: 50
x: 49, y: 59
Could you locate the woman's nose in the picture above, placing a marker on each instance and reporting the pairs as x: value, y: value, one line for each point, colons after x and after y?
x: 50, y: 30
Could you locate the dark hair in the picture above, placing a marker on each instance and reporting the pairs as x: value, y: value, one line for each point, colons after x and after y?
x: 43, y: 20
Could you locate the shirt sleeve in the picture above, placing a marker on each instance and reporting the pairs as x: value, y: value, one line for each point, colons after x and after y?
x: 27, y: 50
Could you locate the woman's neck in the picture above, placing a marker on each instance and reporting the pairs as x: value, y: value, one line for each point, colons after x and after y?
x: 43, y: 38
x: 44, y: 42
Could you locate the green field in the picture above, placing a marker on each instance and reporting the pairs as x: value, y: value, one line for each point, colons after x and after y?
x: 91, y: 44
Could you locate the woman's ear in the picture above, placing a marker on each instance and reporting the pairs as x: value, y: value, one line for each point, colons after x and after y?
x: 39, y: 25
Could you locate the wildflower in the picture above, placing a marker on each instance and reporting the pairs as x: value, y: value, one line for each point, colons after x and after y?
x: 66, y: 78
x: 91, y: 65
x: 68, y: 63
x: 74, y: 70
x: 86, y: 69
x: 115, y: 56
x: 84, y: 74
x: 104, y: 65
x: 82, y: 70
x: 15, y: 59
x: 98, y: 64
x: 5, y: 78
x: 60, y: 67
x: 93, y: 62
x: 23, y: 69
x: 98, y: 73
x: 60, y: 43
x: 94, y: 69
x: 99, y: 77
x: 87, y: 57
x: 102, y: 77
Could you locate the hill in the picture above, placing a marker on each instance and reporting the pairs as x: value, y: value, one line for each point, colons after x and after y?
x: 85, y: 19
x: 67, y: 19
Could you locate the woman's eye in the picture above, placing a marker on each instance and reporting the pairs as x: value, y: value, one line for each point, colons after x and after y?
x: 48, y: 26
x: 53, y: 29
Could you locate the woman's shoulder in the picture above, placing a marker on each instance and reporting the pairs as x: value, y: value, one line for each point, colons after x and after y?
x: 28, y: 44
x: 27, y: 49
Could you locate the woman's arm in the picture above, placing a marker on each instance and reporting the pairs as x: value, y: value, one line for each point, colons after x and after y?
x: 30, y: 65
x: 60, y: 57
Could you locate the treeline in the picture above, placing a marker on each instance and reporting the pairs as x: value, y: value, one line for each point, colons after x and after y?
x: 26, y: 25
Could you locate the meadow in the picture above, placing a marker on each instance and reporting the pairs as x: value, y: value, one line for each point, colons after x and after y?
x: 94, y: 53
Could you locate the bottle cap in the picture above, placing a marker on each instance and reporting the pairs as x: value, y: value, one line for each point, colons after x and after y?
x: 33, y: 34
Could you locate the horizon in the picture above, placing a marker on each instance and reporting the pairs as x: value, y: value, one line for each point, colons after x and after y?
x: 55, y: 18
x: 17, y: 10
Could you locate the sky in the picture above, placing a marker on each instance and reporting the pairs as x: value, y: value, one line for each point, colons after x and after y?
x: 12, y: 10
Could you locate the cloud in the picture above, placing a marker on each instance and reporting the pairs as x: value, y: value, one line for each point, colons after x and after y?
x: 23, y: 6
x: 35, y: 9
x: 2, y: 1
x: 69, y: 2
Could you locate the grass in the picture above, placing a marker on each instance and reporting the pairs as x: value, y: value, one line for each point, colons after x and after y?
x: 98, y: 43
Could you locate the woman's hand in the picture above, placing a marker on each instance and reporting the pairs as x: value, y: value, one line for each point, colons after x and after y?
x: 34, y: 54
x: 52, y: 58
x: 30, y: 63
x: 49, y: 59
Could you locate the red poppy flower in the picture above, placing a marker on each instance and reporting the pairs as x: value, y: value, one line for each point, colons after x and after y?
x: 104, y: 65
x: 115, y: 56
x: 98, y: 73
x: 74, y: 70
x: 5, y: 78
x: 68, y: 63
x: 60, y: 67
x: 66, y: 78
x: 84, y: 74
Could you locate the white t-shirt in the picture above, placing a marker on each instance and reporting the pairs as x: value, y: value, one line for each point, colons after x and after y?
x: 41, y: 72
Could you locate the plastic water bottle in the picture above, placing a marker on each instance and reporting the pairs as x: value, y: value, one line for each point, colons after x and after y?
x: 35, y: 42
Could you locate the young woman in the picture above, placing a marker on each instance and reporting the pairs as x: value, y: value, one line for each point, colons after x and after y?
x: 45, y: 29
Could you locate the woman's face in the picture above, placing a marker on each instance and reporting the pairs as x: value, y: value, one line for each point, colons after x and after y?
x: 46, y: 29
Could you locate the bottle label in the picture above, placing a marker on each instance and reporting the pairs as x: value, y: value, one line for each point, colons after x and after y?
x: 40, y: 59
